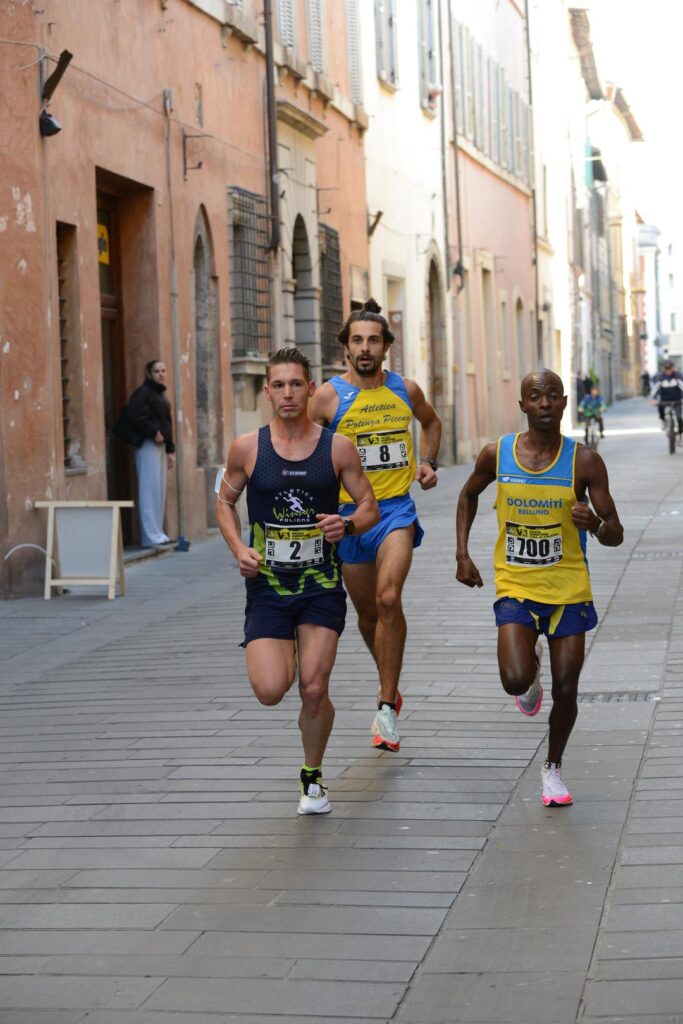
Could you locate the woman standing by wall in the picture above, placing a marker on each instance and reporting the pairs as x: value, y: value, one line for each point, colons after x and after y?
x: 149, y: 413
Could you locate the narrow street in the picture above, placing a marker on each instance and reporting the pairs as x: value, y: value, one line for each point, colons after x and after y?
x: 153, y: 869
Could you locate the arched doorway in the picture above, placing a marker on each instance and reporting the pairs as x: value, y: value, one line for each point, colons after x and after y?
x: 208, y: 407
x: 208, y: 413
x: 438, y: 361
x: 306, y: 312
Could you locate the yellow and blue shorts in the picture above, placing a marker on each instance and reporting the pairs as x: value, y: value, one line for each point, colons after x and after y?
x: 553, y: 620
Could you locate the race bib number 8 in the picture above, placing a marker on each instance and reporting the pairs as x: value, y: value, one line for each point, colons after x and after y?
x: 383, y: 449
x: 533, y: 545
x: 293, y: 547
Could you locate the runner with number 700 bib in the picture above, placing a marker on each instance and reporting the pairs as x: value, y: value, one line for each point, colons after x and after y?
x: 542, y: 584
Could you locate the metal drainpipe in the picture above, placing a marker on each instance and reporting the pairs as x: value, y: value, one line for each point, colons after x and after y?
x: 444, y: 190
x: 272, y: 128
x: 175, y: 328
x: 458, y: 269
x: 534, y: 212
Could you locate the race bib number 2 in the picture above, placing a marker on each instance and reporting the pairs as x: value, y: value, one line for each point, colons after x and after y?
x: 383, y: 449
x: 293, y: 547
x: 533, y: 545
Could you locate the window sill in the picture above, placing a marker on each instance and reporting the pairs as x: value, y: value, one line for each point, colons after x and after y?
x: 75, y: 471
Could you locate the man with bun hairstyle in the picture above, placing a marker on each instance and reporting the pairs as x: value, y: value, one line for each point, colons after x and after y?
x: 544, y: 482
x: 374, y: 408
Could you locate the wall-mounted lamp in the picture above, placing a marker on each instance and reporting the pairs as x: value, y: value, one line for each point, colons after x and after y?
x: 48, y: 124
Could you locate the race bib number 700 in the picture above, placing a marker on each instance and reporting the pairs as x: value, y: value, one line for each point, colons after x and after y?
x: 293, y: 547
x: 533, y: 545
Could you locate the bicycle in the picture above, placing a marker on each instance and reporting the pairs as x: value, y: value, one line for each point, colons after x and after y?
x: 670, y: 425
x: 592, y: 433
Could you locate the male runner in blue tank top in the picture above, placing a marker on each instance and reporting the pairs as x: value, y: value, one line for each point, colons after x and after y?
x: 544, y: 481
x: 374, y: 408
x: 296, y: 603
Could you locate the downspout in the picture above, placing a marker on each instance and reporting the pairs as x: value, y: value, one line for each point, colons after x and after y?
x: 534, y: 212
x: 271, y: 115
x: 175, y: 326
x: 444, y: 192
x: 458, y: 269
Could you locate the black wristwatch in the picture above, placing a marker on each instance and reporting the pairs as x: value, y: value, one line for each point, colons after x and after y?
x: 430, y: 462
x: 349, y: 527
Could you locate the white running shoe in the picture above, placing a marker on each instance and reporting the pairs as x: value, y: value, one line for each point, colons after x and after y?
x: 529, y: 703
x: 555, y: 793
x: 314, y: 799
x: 385, y: 729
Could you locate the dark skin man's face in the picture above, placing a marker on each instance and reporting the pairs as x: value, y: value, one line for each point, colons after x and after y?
x: 543, y: 401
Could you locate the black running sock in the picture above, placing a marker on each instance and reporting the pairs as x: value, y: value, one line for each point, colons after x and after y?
x: 385, y: 704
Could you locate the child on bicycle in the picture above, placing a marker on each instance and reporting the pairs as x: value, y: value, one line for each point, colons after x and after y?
x: 592, y: 406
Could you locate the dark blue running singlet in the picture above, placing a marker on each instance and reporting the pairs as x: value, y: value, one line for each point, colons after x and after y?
x: 283, y: 498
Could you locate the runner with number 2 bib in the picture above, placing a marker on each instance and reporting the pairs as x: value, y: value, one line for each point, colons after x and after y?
x: 374, y: 408
x: 544, y: 481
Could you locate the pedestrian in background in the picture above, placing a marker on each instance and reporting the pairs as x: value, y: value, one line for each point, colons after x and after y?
x: 149, y: 414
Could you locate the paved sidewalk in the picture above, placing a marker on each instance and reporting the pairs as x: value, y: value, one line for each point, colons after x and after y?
x: 153, y: 869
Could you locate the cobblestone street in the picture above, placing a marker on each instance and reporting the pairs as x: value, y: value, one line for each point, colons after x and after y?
x: 153, y: 869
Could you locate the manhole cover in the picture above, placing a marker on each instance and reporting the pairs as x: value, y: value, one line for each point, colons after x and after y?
x: 653, y: 556
x: 625, y: 697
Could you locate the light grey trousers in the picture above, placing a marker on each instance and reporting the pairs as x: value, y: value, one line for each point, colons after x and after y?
x: 150, y: 462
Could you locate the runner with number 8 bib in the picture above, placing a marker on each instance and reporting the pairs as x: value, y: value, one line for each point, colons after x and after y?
x: 374, y: 408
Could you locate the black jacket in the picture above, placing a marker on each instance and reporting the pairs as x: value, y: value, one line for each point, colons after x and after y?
x: 147, y: 412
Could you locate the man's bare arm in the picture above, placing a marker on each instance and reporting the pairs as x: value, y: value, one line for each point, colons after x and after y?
x: 233, y: 482
x: 592, y: 477
x: 348, y: 466
x: 484, y: 473
x: 323, y: 404
x: 430, y: 436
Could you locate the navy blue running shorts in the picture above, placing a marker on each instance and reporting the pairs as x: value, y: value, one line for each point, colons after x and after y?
x: 276, y: 618
x: 554, y: 620
x: 395, y: 513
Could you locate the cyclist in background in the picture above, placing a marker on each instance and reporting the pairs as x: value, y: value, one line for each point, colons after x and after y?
x: 592, y: 406
x: 668, y: 390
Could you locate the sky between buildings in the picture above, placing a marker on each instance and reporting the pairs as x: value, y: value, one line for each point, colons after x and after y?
x: 638, y: 44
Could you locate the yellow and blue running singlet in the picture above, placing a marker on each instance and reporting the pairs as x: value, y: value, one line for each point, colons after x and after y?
x: 377, y: 421
x: 539, y: 555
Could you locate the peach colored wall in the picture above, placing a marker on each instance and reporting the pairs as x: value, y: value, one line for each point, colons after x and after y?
x: 496, y: 224
x: 140, y: 50
x: 110, y: 104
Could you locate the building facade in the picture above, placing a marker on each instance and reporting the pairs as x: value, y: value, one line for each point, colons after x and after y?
x: 490, y: 222
x: 409, y: 258
x: 189, y: 210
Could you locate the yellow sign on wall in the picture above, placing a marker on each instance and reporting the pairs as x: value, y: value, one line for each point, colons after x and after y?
x: 102, y: 244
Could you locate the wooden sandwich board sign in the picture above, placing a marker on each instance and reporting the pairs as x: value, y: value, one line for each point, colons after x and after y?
x: 84, y: 545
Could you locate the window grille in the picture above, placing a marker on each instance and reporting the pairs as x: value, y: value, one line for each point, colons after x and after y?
x: 285, y: 17
x: 250, y: 283
x: 315, y: 35
x: 331, y: 305
x: 69, y: 346
x: 353, y: 37
x: 385, y: 30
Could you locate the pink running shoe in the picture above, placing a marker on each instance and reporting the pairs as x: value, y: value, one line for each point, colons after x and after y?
x: 555, y: 793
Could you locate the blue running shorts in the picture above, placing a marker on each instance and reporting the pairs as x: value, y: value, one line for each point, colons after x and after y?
x: 273, y: 617
x: 395, y: 513
x: 554, y: 620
